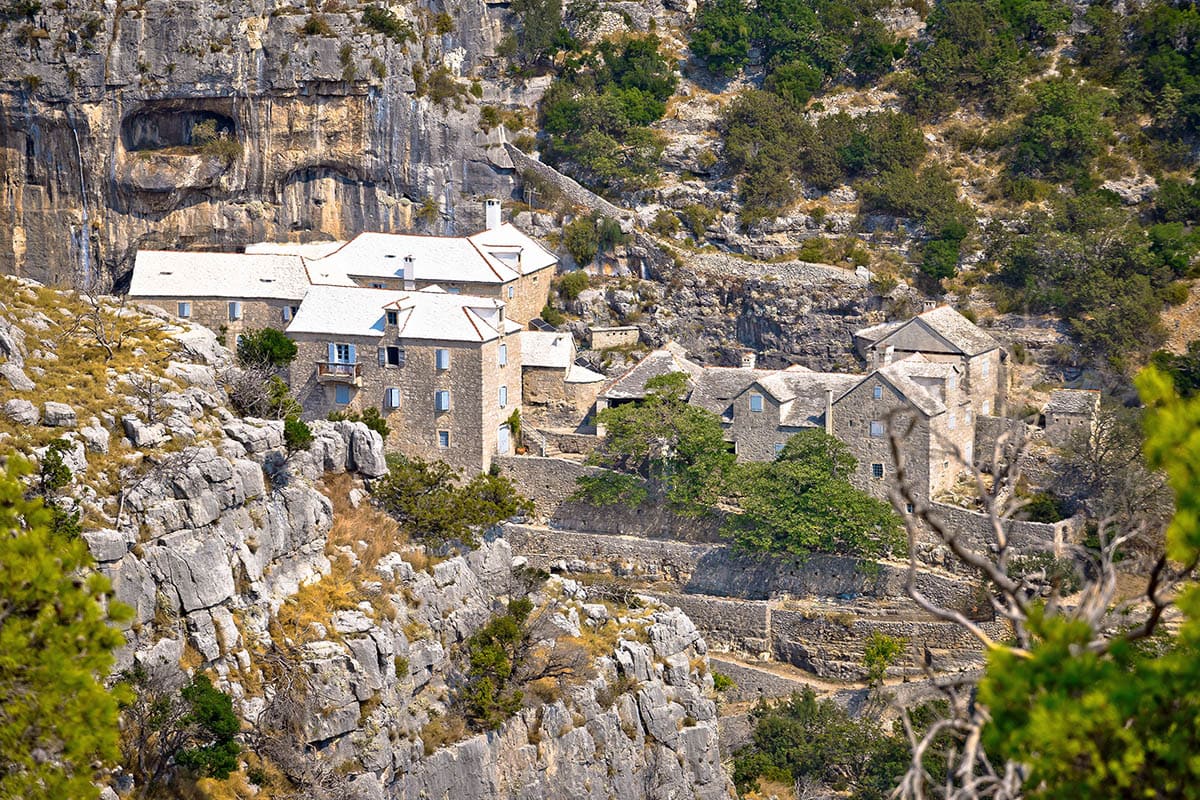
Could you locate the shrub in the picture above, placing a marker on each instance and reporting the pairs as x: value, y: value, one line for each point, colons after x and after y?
x: 608, y: 488
x: 665, y: 223
x: 383, y: 21
x: 698, y: 219
x: 552, y: 316
x: 316, y: 25
x: 266, y: 347
x: 581, y: 241
x: 722, y: 682
x: 571, y: 285
x: 296, y: 434
x: 721, y: 36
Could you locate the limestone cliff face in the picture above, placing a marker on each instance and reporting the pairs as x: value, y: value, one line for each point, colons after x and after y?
x: 325, y: 134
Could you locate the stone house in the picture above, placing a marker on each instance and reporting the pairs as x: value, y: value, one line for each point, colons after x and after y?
x: 550, y: 377
x: 499, y: 262
x: 1070, y: 412
x: 943, y: 334
x: 221, y: 291
x: 443, y: 369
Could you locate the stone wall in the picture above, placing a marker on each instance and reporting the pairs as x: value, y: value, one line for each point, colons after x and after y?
x: 552, y: 481
x: 975, y: 529
x: 214, y: 313
x: 990, y: 431
x: 618, y: 336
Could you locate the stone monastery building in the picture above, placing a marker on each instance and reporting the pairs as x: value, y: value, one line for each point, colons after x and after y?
x: 427, y: 329
x: 932, y: 376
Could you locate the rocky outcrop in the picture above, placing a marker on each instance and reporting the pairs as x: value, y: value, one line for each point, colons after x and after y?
x: 320, y: 134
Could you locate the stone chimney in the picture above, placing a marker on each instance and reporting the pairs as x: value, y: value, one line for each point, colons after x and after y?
x: 928, y: 305
x: 491, y: 213
x: 829, y: 411
x: 889, y: 354
x: 410, y: 272
x: 749, y: 359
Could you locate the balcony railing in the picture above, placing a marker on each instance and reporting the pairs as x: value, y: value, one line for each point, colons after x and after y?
x: 339, y: 372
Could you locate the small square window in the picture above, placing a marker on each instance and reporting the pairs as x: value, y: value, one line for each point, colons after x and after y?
x: 908, y: 507
x: 876, y: 429
x: 235, y: 311
x: 987, y: 407
x: 756, y: 402
x: 503, y: 355
x: 778, y: 448
x: 442, y: 357
x: 395, y: 356
x: 877, y: 393
x: 185, y: 310
x: 391, y: 397
x: 443, y: 438
x: 378, y: 286
x: 454, y: 290
x: 441, y: 400
x: 511, y: 292
x: 503, y: 396
x: 341, y: 394
x: 877, y: 471
x: 288, y: 312
x: 392, y: 317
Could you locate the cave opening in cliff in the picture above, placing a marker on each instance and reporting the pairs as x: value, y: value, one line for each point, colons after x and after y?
x: 173, y: 127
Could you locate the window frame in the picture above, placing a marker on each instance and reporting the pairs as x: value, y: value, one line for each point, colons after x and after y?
x: 503, y: 354
x: 441, y: 358
x: 183, y: 306
x: 234, y: 310
x: 392, y: 318
x: 877, y: 392
x: 877, y: 429
x: 502, y: 396
x: 877, y: 471
x: 756, y: 399
x: 392, y: 397
x: 338, y: 389
x: 443, y: 439
x: 438, y: 405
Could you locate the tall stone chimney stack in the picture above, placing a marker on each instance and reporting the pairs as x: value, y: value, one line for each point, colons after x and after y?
x: 749, y: 359
x: 410, y: 272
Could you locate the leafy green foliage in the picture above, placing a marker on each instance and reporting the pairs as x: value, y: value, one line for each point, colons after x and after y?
x: 608, y: 488
x: 597, y: 111
x: 1063, y: 132
x: 53, y: 472
x: 265, y: 347
x: 806, y: 738
x: 803, y: 502
x: 213, y: 750
x: 722, y: 682
x: 579, y: 236
x: 488, y: 698
x: 981, y: 50
x: 296, y: 434
x: 1095, y: 266
x: 57, y: 719
x: 769, y: 142
x: 1088, y: 722
x: 426, y: 498
x: 371, y: 417
x: 571, y: 285
x: 879, y: 653
x: 678, y: 449
x: 381, y: 19
x: 1184, y: 370
x: 721, y: 37
x: 538, y: 33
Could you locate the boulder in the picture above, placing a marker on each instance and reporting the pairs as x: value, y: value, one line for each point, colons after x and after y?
x: 143, y: 434
x: 21, y: 412
x: 107, y: 544
x: 58, y: 415
x: 95, y: 437
x: 366, y: 449
x: 16, y: 377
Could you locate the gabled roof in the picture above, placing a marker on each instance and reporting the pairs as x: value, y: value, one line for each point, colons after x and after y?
x: 183, y: 274
x: 1073, y: 401
x: 716, y: 387
x: 956, y: 331
x: 900, y: 379
x: 578, y: 374
x: 547, y: 349
x: 498, y: 255
x: 353, y: 311
x: 631, y: 384
x: 804, y: 393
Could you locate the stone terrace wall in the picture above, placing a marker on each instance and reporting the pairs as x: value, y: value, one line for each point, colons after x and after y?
x: 728, y: 624
x: 976, y: 530
x: 551, y: 482
x: 719, y: 571
x: 988, y: 431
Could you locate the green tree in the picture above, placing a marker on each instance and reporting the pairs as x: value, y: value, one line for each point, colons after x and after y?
x: 721, y: 36
x: 267, y: 348
x: 581, y: 241
x: 489, y: 698
x: 57, y: 720
x: 879, y: 653
x: 678, y: 449
x: 1063, y: 132
x: 167, y: 726
x: 537, y: 34
x: 427, y: 499
x: 803, y: 502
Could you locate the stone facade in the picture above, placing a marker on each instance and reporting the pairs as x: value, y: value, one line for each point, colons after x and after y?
x: 472, y: 423
x: 524, y: 298
x: 218, y: 313
x: 853, y: 418
x: 619, y: 336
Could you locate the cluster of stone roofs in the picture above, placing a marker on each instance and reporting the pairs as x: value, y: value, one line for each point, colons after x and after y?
x: 432, y: 332
x: 937, y: 379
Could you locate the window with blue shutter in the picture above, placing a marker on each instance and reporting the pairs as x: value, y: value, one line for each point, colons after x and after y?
x: 441, y: 400
x: 287, y: 313
x: 756, y: 402
x: 185, y: 310
x: 353, y: 356
x: 381, y: 354
x: 876, y: 429
x: 235, y: 311
x: 503, y: 355
x: 443, y: 438
x: 443, y: 358
x: 332, y: 353
x: 391, y: 397
x: 878, y: 393
x: 341, y: 394
x: 503, y: 396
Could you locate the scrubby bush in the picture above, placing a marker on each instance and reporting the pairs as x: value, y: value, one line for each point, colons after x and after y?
x: 296, y: 434
x: 571, y: 285
x: 383, y: 21
x: 266, y: 348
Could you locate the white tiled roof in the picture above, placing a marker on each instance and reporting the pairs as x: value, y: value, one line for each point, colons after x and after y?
x: 306, y: 249
x: 493, y: 256
x: 547, y: 349
x: 160, y: 273
x: 352, y: 311
x: 578, y: 374
x: 958, y: 331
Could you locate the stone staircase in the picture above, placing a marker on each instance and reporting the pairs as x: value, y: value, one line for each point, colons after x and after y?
x: 538, y: 444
